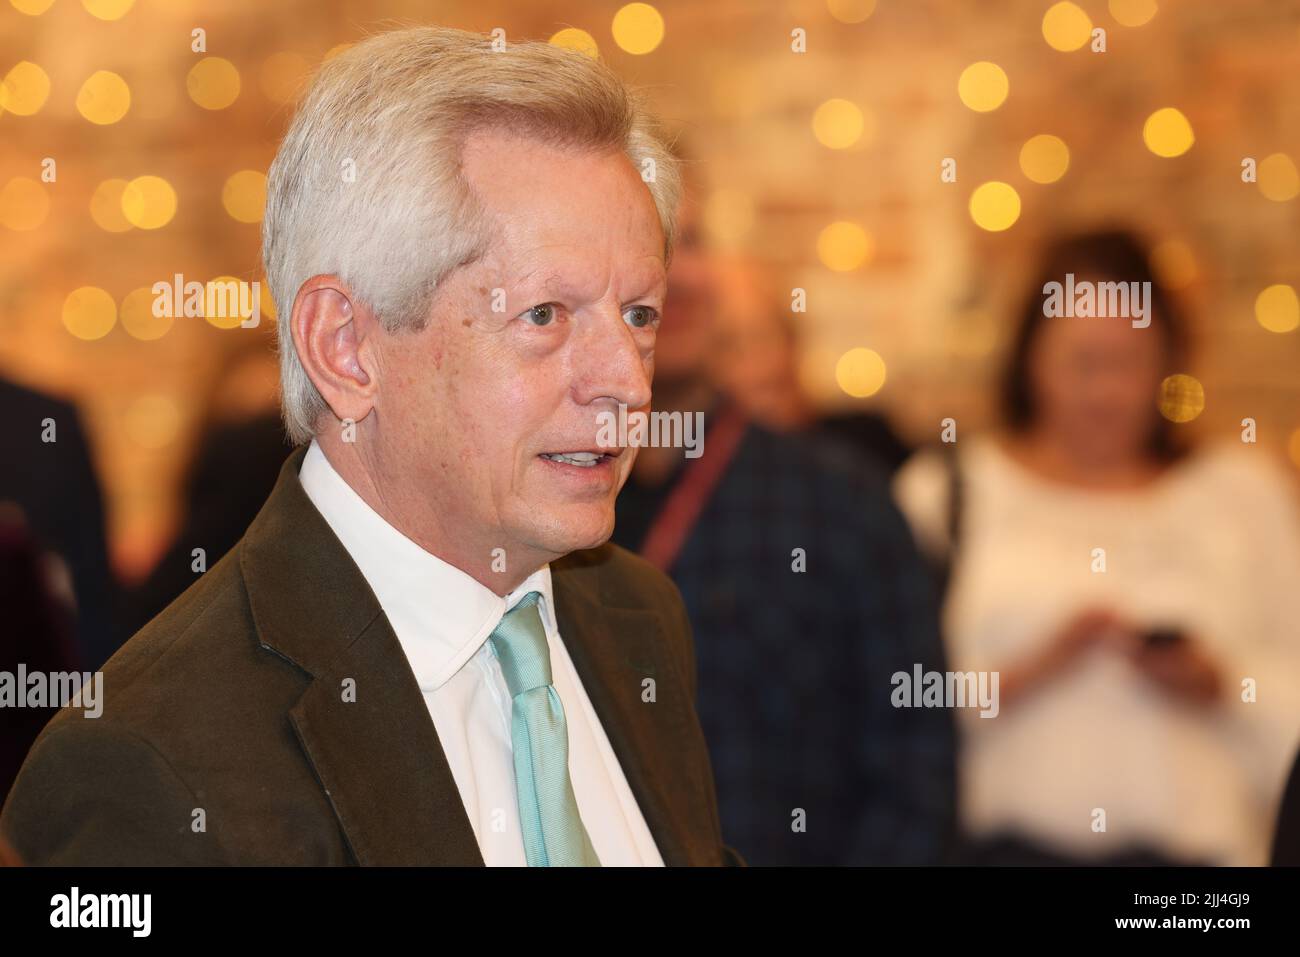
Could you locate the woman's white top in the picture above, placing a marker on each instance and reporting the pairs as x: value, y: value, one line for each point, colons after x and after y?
x: 1212, y: 547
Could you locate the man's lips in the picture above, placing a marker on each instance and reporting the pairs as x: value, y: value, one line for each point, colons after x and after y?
x: 582, y: 458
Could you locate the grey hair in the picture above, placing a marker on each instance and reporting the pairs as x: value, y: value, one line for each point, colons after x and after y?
x: 367, y: 185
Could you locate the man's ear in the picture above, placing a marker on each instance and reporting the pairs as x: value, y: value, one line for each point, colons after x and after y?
x: 336, y: 337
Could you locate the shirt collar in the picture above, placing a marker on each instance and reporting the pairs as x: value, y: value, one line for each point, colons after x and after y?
x: 440, y: 614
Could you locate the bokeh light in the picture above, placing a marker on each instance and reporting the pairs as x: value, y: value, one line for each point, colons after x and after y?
x: 106, y: 206
x: 838, y: 124
x: 222, y: 302
x: 1168, y: 133
x: 1277, y: 177
x: 1277, y: 309
x: 213, y: 83
x: 149, y: 202
x: 572, y: 38
x: 108, y: 9
x: 89, y: 313
x: 1132, y: 13
x: 104, y: 98
x: 1182, y: 398
x: 844, y: 246
x: 860, y: 372
x: 1044, y: 158
x: 138, y: 319
x: 24, y: 89
x: 1066, y: 27
x: 244, y: 196
x: 33, y: 8
x: 994, y: 206
x: 851, y: 11
x: 983, y: 86
x: 637, y: 28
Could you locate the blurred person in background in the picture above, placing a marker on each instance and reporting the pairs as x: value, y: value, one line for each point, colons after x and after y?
x: 812, y: 762
x: 235, y: 464
x: 1140, y: 601
x: 754, y: 359
x: 47, y: 476
x: 37, y: 635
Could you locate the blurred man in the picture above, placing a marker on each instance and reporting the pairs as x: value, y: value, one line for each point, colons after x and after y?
x: 806, y: 596
x: 46, y: 471
x: 398, y: 664
x: 754, y: 359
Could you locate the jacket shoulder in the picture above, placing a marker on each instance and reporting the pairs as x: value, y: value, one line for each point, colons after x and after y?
x: 613, y: 575
x: 103, y: 788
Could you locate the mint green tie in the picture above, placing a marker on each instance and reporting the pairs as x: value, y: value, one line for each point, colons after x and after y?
x: 554, y: 835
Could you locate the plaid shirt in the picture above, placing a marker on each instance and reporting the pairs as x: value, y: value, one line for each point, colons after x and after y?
x: 794, y: 668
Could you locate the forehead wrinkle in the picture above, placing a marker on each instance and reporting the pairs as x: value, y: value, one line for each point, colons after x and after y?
x: 553, y: 277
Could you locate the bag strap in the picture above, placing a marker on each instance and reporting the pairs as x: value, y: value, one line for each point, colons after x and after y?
x: 956, y: 506
x: 672, y: 526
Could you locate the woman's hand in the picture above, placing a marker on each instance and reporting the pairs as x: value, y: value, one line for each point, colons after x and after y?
x: 1182, y: 668
x: 1091, y: 628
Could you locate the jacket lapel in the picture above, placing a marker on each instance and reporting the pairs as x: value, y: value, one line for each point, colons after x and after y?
x: 614, y: 650
x: 362, y: 722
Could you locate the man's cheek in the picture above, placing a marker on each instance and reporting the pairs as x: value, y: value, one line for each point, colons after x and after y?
x: 625, y: 463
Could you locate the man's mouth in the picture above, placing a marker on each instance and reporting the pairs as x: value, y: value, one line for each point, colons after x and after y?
x: 586, y: 460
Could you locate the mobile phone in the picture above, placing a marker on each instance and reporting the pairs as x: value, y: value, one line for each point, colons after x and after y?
x: 1162, y: 637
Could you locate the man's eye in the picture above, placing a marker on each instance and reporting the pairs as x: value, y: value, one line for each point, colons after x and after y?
x: 641, y: 316
x: 542, y: 314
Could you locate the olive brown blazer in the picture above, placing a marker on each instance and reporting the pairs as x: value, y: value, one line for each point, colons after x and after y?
x: 226, y: 736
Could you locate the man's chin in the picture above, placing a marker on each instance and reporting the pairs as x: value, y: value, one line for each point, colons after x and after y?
x: 562, y: 529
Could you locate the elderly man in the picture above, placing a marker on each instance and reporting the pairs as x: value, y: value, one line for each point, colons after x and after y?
x: 422, y: 651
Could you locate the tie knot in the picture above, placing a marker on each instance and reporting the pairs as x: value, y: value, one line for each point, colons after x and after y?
x: 520, y: 644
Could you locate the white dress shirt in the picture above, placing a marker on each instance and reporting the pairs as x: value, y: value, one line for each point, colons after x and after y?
x: 443, y: 618
x: 1213, y: 547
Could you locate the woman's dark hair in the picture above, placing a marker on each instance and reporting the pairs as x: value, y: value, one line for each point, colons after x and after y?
x: 1117, y: 255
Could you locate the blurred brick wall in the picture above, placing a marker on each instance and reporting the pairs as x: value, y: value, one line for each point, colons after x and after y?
x: 933, y: 299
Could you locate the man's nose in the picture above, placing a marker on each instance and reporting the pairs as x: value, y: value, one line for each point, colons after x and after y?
x: 610, y: 363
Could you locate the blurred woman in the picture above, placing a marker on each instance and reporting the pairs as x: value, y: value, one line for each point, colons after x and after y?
x: 1140, y: 602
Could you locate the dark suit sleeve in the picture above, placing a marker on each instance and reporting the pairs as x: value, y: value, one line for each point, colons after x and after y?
x: 91, y: 794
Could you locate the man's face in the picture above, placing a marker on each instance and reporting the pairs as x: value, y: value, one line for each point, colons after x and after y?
x: 474, y: 409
